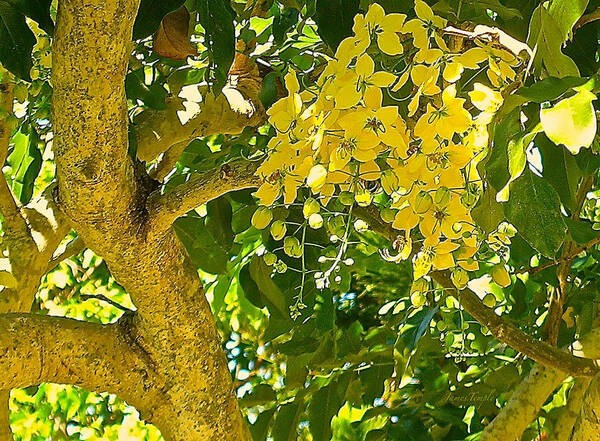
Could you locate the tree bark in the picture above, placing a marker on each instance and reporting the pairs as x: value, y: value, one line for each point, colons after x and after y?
x: 104, y: 195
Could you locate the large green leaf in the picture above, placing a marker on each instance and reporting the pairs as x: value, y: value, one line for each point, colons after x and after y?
x: 560, y: 170
x: 546, y: 38
x: 534, y: 209
x: 566, y: 13
x: 495, y: 167
x: 150, y: 14
x: 25, y: 162
x: 260, y: 428
x: 324, y: 405
x: 268, y: 292
x: 488, y: 213
x: 16, y: 41
x: 285, y: 427
x: 344, y: 11
x: 37, y: 10
x: 216, y: 17
x: 204, y: 249
x: 550, y: 88
x: 571, y: 122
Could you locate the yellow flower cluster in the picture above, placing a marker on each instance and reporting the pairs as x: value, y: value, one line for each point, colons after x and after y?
x: 349, y: 132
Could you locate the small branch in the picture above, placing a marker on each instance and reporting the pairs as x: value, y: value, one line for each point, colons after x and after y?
x: 103, y: 298
x: 539, y: 351
x: 501, y: 328
x: 73, y: 248
x: 570, y: 256
x: 587, y: 18
x: 200, y: 189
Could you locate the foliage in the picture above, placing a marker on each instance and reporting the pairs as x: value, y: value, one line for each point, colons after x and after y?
x: 478, y: 153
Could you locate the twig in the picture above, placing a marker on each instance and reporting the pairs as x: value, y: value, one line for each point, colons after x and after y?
x: 587, y: 18
x: 103, y: 298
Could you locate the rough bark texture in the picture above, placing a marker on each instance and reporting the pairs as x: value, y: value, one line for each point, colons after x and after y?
x: 524, y: 404
x: 104, y: 195
x: 36, y: 349
x: 587, y: 427
x: 563, y: 428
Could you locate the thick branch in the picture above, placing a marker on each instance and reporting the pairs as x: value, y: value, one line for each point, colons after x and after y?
x: 36, y: 349
x: 524, y: 404
x: 587, y: 427
x: 199, y: 189
x: 563, y: 427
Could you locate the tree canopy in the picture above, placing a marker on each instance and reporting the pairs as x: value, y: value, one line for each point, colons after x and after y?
x: 385, y: 213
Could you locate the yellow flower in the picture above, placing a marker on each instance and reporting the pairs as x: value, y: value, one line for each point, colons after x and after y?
x: 285, y: 112
x: 444, y: 122
x: 385, y: 27
x: 485, y: 99
x: 446, y: 219
x: 364, y: 83
x: 440, y: 253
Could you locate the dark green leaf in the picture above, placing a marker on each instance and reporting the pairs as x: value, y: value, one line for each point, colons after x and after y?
x: 343, y: 12
x: 550, y: 88
x: 496, y: 164
x: 37, y: 10
x: 205, y: 251
x: 16, y: 41
x: 534, y: 209
x: 581, y: 231
x: 268, y: 289
x: 488, y: 213
x: 324, y: 405
x: 260, y: 428
x: 218, y: 221
x: 150, y: 14
x: 285, y: 427
x: 216, y: 17
x: 283, y: 22
x: 261, y: 394
x: 559, y: 169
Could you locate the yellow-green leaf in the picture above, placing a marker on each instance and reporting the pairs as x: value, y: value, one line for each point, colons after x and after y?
x: 571, y: 122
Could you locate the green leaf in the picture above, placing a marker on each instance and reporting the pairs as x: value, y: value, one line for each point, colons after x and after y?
x: 343, y: 11
x: 37, y: 10
x: 261, y: 394
x: 572, y: 121
x: 495, y: 167
x: 560, y: 170
x: 566, y: 13
x: 283, y: 22
x: 324, y: 405
x: 546, y: 38
x: 16, y: 41
x: 260, y: 428
x: 581, y: 231
x: 488, y: 213
x: 550, y: 88
x: 534, y: 209
x: 150, y: 14
x: 205, y: 251
x: 218, y: 221
x: 153, y: 95
x: 25, y: 161
x: 268, y: 289
x: 285, y: 427
x: 216, y: 17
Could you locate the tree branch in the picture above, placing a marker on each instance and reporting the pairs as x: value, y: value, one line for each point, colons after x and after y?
x: 524, y: 404
x: 563, y: 427
x: 587, y: 426
x: 502, y: 329
x: 587, y: 18
x: 36, y: 349
x: 198, y: 190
